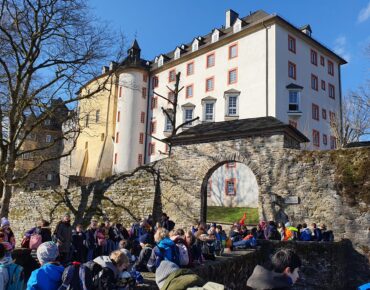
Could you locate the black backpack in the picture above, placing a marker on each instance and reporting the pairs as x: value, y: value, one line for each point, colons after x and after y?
x: 76, y: 277
x: 95, y: 270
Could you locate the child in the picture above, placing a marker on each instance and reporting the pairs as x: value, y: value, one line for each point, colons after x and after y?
x: 78, y: 243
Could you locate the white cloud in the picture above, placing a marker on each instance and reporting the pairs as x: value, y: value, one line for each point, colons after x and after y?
x: 364, y: 14
x: 340, y: 47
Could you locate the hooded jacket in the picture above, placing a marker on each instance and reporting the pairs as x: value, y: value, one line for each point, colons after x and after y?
x: 263, y: 279
x: 4, y: 276
x: 48, y: 277
x: 169, y: 249
x: 109, y: 273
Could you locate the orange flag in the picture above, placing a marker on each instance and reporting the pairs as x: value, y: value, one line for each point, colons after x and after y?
x: 243, y: 219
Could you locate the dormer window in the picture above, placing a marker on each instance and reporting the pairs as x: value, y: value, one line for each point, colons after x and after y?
x: 177, y: 53
x: 156, y: 59
x: 160, y: 61
x: 215, y: 35
x: 237, y: 25
x: 294, y: 100
x: 195, y: 45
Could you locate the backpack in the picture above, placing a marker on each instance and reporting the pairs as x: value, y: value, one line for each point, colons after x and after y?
x: 183, y: 254
x: 35, y: 241
x: 95, y: 272
x: 76, y: 277
x: 16, y: 277
x: 305, y: 235
x: 170, y: 254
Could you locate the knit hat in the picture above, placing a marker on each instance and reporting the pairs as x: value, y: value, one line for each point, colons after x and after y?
x: 165, y: 269
x: 4, y: 222
x: 47, y: 252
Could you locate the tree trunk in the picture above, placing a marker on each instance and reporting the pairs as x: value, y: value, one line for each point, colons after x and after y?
x: 5, y: 200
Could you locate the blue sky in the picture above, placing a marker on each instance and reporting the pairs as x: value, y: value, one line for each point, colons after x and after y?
x: 161, y: 25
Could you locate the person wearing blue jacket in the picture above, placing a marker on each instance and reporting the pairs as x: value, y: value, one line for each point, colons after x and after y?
x: 49, y: 276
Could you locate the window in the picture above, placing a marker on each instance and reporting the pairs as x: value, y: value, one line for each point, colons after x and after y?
x: 151, y: 150
x: 143, y: 93
x: 231, y: 164
x: 294, y: 100
x: 49, y: 176
x: 333, y: 142
x: 322, y: 60
x: 325, y: 139
x: 232, y: 105
x: 233, y: 76
x: 209, y: 112
x: 155, y: 82
x: 47, y: 122
x: 189, y: 91
x: 330, y: 68
x: 211, y: 60
x: 115, y: 158
x: 314, y: 81
x: 120, y: 92
x: 117, y: 137
x: 292, y: 71
x: 188, y: 116
x: 332, y: 117
x: 171, y: 76
x: 142, y: 117
x: 190, y: 68
x: 97, y: 116
x: 233, y: 51
x: 48, y: 139
x: 316, y: 138
x: 145, y: 78
x: 293, y: 123
x: 171, y: 96
x: 331, y: 91
x: 168, y: 125
x: 210, y: 84
x: 140, y: 159
x: 313, y: 57
x: 323, y: 85
x: 154, y: 104
x: 118, y: 116
x: 291, y: 44
x: 324, y: 114
x: 315, y: 112
x: 87, y: 120
x: 230, y: 186
x: 141, y: 138
x: 153, y: 127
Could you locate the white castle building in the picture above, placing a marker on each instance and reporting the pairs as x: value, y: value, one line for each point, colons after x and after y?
x: 257, y: 66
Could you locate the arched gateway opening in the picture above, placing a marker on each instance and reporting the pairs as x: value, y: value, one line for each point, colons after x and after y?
x: 229, y: 189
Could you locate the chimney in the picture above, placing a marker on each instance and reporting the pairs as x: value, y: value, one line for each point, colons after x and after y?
x: 105, y: 69
x: 231, y: 16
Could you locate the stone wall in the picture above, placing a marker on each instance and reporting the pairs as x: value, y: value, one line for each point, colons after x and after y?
x: 331, y: 187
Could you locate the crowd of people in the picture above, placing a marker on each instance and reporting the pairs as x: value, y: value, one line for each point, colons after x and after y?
x: 110, y: 256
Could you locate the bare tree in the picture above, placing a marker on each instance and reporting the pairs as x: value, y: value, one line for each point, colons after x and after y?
x: 171, y: 113
x: 355, y: 118
x: 48, y: 50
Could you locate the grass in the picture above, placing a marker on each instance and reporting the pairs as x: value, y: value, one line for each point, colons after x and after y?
x: 231, y: 214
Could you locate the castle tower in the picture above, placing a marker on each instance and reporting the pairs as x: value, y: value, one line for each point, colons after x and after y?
x: 132, y: 104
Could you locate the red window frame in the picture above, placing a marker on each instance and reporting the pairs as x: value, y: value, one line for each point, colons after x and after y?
x: 331, y: 116
x: 192, y: 91
x: 292, y: 40
x: 207, y: 60
x: 154, y: 103
x: 322, y: 60
x: 315, y: 112
x: 171, y: 75
x: 187, y: 68
x: 323, y: 111
x: 293, y: 123
x: 324, y: 139
x: 330, y: 68
x: 153, y: 127
x: 228, y: 76
x: 314, y: 85
x: 117, y: 137
x: 115, y: 158
x: 118, y: 116
x: 141, y: 138
x: 331, y: 91
x: 293, y: 65
x: 230, y: 49
x: 313, y: 57
x: 213, y: 84
x: 151, y: 150
x: 227, y: 181
x: 142, y: 117
x: 140, y: 159
x: 155, y: 82
x: 316, y: 138
x: 143, y: 93
x: 323, y: 85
